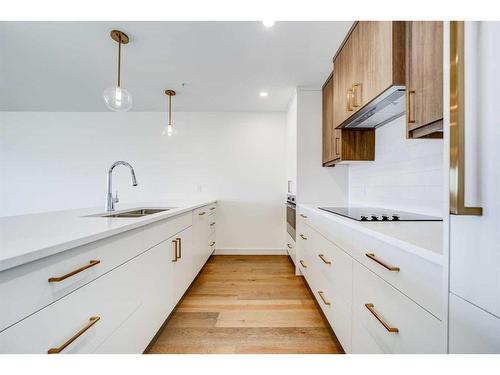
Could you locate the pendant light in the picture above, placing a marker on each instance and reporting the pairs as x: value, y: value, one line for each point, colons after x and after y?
x: 170, y: 130
x: 117, y: 98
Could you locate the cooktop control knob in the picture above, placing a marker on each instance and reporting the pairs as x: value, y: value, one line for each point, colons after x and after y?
x: 374, y: 218
x: 364, y: 218
x: 385, y: 218
x: 395, y: 217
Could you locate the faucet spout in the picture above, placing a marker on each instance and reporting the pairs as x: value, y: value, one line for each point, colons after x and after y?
x: 110, y: 201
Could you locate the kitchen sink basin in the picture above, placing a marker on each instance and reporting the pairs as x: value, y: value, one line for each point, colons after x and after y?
x: 136, y: 212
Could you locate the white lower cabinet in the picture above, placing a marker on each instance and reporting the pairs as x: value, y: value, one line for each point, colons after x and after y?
x: 472, y: 330
x: 102, y: 306
x: 367, y: 313
x: 116, y: 306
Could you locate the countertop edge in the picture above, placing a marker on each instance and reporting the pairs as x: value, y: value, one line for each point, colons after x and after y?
x: 409, y: 247
x: 41, y: 253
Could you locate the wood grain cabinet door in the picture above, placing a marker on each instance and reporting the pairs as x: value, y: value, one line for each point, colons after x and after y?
x: 328, y: 141
x: 424, y: 70
x: 342, y: 86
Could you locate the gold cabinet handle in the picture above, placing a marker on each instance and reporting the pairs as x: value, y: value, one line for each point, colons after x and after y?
x: 212, y: 224
x: 304, y: 216
x: 92, y: 263
x: 93, y: 320
x: 213, y: 243
x: 349, y: 100
x: 337, y: 146
x: 289, y: 246
x: 371, y: 308
x: 303, y: 237
x: 302, y: 263
x: 357, y: 88
x: 386, y: 266
x: 322, y: 257
x: 176, y: 244
x: 457, y: 123
x: 410, y: 107
x: 179, y: 240
x: 325, y: 301
x: 212, y: 208
x: 202, y: 213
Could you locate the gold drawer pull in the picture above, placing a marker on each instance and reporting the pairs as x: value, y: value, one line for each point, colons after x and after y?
x: 212, y: 224
x: 349, y: 100
x: 371, y: 309
x: 355, y: 90
x: 179, y: 240
x: 303, y: 237
x: 390, y: 268
x: 302, y: 264
x: 176, y: 244
x: 322, y: 295
x: 93, y: 320
x: 213, y: 243
x: 212, y: 208
x: 289, y: 246
x: 322, y: 257
x: 410, y: 106
x: 202, y: 213
x: 304, y: 216
x: 92, y: 263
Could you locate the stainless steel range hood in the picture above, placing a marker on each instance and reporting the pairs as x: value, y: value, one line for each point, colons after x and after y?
x: 383, y: 109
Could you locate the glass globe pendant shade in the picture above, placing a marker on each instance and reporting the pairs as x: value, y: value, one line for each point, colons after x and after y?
x: 169, y: 131
x: 117, y: 99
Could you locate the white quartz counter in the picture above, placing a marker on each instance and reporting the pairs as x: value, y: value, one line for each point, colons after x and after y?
x: 26, y: 238
x: 422, y: 238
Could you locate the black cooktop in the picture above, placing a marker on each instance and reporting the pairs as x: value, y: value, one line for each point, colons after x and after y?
x: 378, y: 214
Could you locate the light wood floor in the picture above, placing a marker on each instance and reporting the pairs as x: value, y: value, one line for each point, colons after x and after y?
x: 247, y: 304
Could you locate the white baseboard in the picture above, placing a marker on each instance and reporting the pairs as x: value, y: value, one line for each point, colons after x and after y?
x: 227, y: 251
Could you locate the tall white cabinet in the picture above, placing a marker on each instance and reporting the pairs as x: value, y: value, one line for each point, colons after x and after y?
x: 474, y: 300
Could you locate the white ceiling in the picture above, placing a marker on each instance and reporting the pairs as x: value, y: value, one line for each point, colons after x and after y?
x: 65, y: 66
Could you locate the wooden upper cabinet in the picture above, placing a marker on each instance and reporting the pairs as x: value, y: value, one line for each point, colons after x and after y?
x: 328, y: 138
x: 371, y: 60
x: 424, y: 80
x: 343, y: 145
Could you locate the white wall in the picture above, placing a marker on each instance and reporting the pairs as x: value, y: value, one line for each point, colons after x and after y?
x: 53, y: 161
x: 407, y: 174
x: 316, y: 184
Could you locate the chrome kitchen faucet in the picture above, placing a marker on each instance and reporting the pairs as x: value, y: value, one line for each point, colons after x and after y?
x: 110, y: 200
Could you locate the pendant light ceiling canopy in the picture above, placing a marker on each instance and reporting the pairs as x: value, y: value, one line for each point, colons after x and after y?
x: 117, y: 98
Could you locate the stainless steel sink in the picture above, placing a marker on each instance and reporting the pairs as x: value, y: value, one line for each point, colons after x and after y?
x: 137, y: 212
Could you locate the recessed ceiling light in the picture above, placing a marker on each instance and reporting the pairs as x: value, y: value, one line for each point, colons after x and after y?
x: 268, y: 23
x: 263, y: 94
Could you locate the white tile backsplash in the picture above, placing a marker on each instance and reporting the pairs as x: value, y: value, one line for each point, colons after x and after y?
x: 407, y: 174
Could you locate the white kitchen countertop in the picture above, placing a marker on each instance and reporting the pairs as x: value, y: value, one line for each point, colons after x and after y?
x: 422, y: 238
x: 26, y: 238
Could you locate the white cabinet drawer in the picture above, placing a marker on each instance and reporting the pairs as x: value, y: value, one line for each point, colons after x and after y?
x: 334, y: 265
x: 112, y: 297
x: 161, y: 230
x: 362, y: 340
x: 302, y: 236
x: 418, y: 331
x: 290, y: 247
x: 335, y: 309
x: 26, y: 289
x: 472, y: 330
x: 211, y: 224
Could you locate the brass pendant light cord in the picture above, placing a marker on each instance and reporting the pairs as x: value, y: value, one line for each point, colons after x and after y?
x: 119, y: 59
x: 170, y: 110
